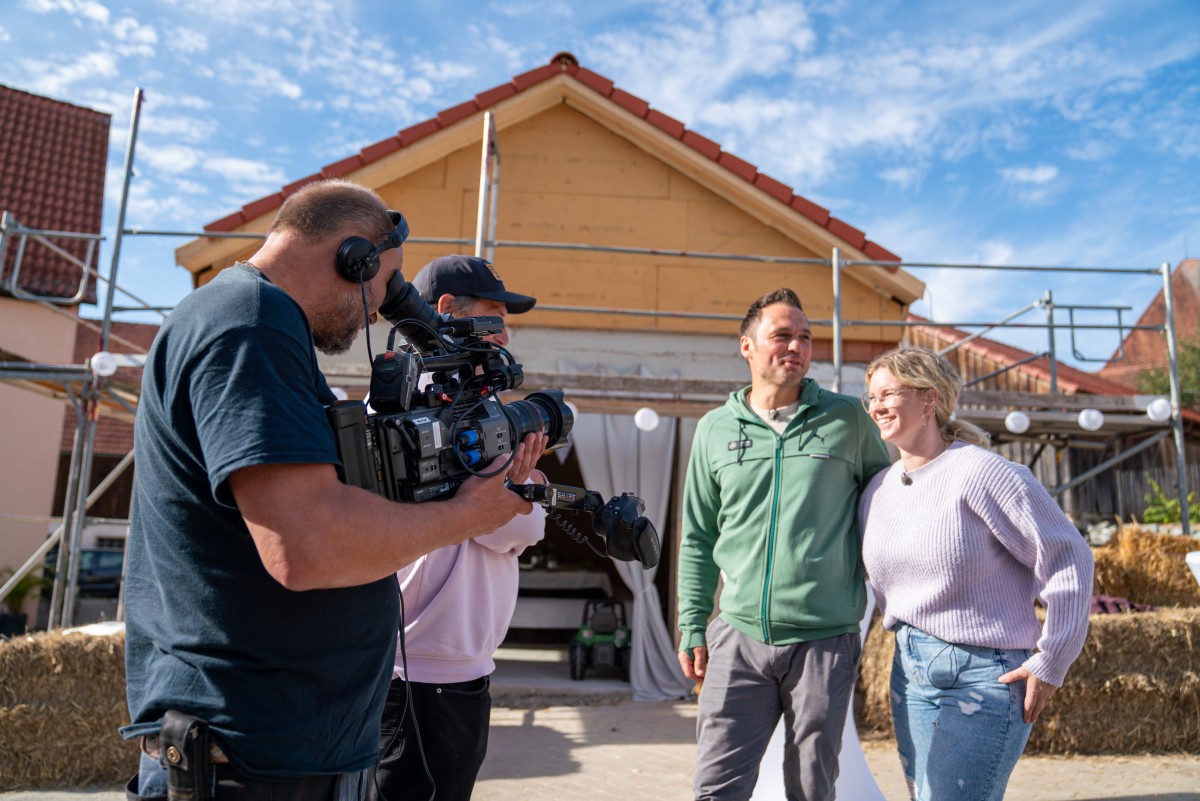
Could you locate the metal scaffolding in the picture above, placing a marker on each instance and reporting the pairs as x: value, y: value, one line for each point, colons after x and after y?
x: 92, y: 391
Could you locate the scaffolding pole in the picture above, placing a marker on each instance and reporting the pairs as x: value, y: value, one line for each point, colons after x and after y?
x: 485, y: 221
x: 1176, y: 400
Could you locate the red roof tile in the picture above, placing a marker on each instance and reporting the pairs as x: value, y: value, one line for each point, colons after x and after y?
x: 669, y: 124
x: 262, y: 205
x: 847, y: 232
x: 52, y: 163
x: 415, y: 132
x: 566, y: 64
x: 228, y: 223
x: 777, y: 189
x: 335, y: 170
x: 448, y: 117
x: 701, y: 144
x: 598, y: 82
x: 295, y: 186
x: 381, y: 149
x: 630, y: 102
x: 878, y: 253
x: 739, y: 167
x: 495, y: 95
x: 534, y: 77
x: 812, y: 211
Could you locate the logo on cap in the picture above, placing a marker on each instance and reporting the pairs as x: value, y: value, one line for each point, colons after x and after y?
x: 491, y: 269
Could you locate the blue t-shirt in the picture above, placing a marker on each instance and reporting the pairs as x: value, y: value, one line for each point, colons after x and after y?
x: 292, y: 683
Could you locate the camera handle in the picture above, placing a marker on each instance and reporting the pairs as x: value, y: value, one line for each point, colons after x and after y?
x: 628, y: 535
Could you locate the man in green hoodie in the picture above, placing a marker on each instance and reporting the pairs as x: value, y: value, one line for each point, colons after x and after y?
x: 769, y: 507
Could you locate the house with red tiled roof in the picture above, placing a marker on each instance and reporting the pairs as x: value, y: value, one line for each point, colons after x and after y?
x: 52, y: 163
x: 1001, y: 378
x: 592, y: 167
x: 644, y: 242
x: 1142, y: 350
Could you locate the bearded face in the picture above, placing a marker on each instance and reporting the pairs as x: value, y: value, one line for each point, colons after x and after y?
x: 336, y: 326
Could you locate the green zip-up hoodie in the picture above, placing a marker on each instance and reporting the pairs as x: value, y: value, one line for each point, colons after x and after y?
x: 776, y: 515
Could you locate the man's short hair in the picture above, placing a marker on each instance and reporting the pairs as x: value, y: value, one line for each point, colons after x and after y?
x: 754, y: 313
x: 327, y: 208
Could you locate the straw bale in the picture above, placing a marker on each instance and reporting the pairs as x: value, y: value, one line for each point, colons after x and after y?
x: 62, y: 698
x: 1148, y: 568
x: 1134, y: 689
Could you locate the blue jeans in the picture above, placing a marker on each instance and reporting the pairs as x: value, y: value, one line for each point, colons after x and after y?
x: 958, y: 729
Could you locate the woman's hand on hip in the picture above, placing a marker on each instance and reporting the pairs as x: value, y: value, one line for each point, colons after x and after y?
x: 1037, y: 692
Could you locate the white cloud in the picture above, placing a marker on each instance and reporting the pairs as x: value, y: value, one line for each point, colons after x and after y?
x: 1040, y: 174
x: 167, y: 99
x: 5, y: 36
x: 134, y: 38
x: 752, y: 74
x: 248, y: 179
x: 55, y: 79
x: 534, y: 8
x: 1031, y: 184
x: 184, y: 129
x: 190, y: 187
x: 242, y: 71
x: 169, y: 158
x: 84, y: 9
x: 187, y: 40
x: 902, y: 177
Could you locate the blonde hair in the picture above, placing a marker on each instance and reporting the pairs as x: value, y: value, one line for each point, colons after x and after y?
x: 922, y: 369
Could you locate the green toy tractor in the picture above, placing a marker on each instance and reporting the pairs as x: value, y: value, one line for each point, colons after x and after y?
x: 603, y: 639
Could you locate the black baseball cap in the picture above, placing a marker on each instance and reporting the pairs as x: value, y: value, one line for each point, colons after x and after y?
x: 467, y: 276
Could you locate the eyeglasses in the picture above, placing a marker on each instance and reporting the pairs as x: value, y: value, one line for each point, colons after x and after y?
x: 886, y: 398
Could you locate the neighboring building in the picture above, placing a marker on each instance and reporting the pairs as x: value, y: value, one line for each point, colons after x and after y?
x: 52, y: 164
x: 1142, y: 350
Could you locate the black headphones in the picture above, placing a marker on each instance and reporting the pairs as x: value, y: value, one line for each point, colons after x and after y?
x: 358, y: 259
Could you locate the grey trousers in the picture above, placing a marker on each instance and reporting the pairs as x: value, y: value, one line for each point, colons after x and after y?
x: 747, y: 687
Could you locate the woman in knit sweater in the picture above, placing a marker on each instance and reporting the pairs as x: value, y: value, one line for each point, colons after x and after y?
x: 958, y: 542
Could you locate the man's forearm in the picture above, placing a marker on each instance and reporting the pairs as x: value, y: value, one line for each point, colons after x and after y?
x: 313, y: 532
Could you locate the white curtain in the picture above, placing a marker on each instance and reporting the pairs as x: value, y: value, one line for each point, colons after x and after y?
x: 615, y: 456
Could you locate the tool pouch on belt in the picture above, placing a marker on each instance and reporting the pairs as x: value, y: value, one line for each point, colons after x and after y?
x: 184, y: 742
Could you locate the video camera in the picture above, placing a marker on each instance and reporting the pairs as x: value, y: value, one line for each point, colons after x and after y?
x: 422, y: 439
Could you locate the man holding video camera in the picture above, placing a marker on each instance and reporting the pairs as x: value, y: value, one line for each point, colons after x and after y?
x: 252, y: 669
x: 458, y: 601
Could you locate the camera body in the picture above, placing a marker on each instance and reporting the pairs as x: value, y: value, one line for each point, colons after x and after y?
x: 436, y: 419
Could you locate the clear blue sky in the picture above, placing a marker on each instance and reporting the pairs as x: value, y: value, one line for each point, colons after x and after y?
x: 1022, y: 132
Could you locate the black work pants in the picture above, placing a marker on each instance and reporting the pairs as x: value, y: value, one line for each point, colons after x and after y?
x: 445, y: 728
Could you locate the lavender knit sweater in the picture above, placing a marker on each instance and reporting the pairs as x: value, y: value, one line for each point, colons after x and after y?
x: 962, y: 552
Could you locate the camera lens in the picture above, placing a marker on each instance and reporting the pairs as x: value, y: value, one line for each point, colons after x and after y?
x: 544, y: 412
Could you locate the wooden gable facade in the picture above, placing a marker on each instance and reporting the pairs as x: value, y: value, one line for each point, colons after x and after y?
x: 586, y: 164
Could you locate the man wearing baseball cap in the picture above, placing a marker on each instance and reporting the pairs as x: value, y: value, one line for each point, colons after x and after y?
x: 468, y: 286
x: 457, y: 603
